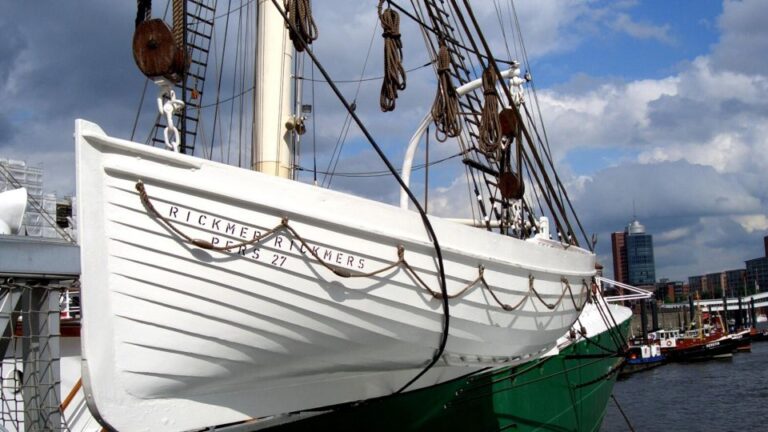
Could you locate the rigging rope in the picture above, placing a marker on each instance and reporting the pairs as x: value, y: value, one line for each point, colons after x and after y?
x: 394, y: 74
x: 623, y: 414
x: 220, y: 76
x: 302, y: 28
x: 178, y: 23
x: 143, y: 11
x: 445, y: 108
x: 333, y: 162
x: 490, y: 126
x: 382, y: 173
x: 425, y: 220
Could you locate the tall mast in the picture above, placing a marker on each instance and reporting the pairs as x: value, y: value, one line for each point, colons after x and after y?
x: 272, y: 142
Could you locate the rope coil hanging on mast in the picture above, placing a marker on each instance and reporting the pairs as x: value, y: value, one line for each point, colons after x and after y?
x: 300, y: 18
x: 394, y: 73
x: 490, y: 126
x: 445, y: 109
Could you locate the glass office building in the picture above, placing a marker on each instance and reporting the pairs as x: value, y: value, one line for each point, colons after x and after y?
x: 640, y: 264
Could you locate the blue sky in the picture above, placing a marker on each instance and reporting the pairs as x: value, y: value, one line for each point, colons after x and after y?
x: 658, y: 103
x: 689, y: 27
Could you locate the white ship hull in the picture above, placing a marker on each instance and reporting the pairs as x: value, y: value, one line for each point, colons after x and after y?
x: 176, y: 337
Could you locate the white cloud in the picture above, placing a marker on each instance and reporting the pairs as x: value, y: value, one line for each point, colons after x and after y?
x: 752, y: 223
x: 608, y: 115
x: 625, y: 23
x: 674, y: 234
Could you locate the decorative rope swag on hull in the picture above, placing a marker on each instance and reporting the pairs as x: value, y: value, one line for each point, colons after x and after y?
x: 284, y: 226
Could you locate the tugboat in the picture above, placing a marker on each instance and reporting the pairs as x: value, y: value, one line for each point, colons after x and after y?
x: 760, y: 335
x: 703, y: 343
x: 743, y: 339
x: 690, y: 348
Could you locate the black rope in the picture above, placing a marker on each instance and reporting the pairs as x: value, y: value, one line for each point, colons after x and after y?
x: 623, y: 414
x: 424, y: 218
x: 143, y: 11
x: 218, y: 83
x: 359, y: 80
x: 344, y: 132
x: 383, y: 173
x: 314, y: 132
x: 138, y: 111
x: 428, y: 28
x: 602, y: 377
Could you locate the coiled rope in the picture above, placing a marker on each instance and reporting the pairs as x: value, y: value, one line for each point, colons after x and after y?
x: 300, y: 19
x: 490, y: 125
x: 445, y: 108
x: 394, y: 73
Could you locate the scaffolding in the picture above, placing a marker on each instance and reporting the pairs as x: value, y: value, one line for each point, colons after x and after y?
x: 41, y: 212
x: 29, y: 315
x: 39, y: 314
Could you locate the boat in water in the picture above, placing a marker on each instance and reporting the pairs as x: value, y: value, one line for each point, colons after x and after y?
x: 743, y: 339
x: 215, y: 296
x: 697, y: 344
x: 641, y: 357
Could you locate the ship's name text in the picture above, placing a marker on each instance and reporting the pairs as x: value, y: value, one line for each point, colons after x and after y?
x: 276, y: 248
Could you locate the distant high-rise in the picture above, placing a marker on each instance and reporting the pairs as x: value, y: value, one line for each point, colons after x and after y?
x: 633, y: 261
x: 765, y: 240
x: 619, y: 248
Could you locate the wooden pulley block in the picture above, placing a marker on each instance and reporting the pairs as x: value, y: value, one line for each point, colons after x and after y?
x: 154, y: 50
x: 511, y: 185
x: 508, y: 122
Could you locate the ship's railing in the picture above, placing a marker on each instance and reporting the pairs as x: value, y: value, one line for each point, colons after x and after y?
x: 637, y: 293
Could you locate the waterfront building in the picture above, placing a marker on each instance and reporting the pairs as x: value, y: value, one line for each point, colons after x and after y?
x: 641, y: 268
x: 735, y: 282
x: 715, y: 284
x: 757, y: 272
x: 757, y: 275
x: 633, y: 261
x: 671, y: 291
x: 696, y: 284
x: 619, y: 252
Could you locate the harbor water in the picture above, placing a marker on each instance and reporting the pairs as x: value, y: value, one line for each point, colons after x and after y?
x: 717, y: 395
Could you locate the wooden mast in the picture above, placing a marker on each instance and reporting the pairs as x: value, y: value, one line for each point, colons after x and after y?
x: 272, y: 141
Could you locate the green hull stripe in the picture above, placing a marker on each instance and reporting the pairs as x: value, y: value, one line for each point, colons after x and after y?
x: 566, y: 392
